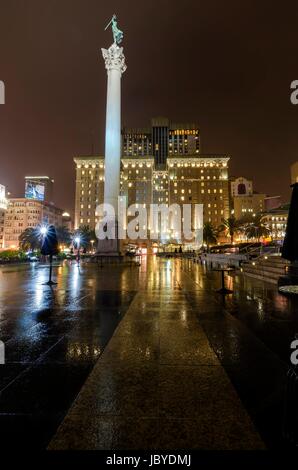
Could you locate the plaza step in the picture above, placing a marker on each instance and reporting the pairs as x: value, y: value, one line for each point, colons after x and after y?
x: 266, y: 268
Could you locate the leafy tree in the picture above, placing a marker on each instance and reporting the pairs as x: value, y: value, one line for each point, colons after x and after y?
x: 86, y: 235
x: 256, y: 228
x: 12, y: 255
x: 230, y: 226
x: 30, y: 239
x: 64, y: 235
x: 209, y: 234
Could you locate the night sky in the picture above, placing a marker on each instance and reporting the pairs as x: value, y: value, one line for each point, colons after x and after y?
x: 227, y: 65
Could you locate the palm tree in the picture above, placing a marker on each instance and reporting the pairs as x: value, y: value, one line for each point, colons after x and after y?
x: 87, y: 235
x: 230, y: 226
x: 30, y: 239
x: 64, y: 236
x: 209, y: 234
x: 256, y: 229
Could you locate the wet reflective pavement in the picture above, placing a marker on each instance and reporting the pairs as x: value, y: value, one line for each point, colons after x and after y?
x: 185, y: 367
x: 53, y: 337
x: 250, y: 331
x: 159, y: 383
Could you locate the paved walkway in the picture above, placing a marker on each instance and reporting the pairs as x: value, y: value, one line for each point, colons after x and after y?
x: 159, y: 383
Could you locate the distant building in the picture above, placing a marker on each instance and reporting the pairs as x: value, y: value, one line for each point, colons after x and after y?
x: 244, y: 200
x: 3, y: 209
x: 276, y: 221
x: 89, y: 189
x: 23, y: 213
x: 248, y: 205
x: 67, y: 221
x: 272, y: 202
x: 294, y: 173
x: 201, y: 179
x: 162, y: 140
x: 161, y: 164
x: 40, y: 188
x: 241, y: 187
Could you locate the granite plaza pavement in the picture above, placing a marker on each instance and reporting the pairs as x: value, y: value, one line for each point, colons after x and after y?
x: 147, y: 357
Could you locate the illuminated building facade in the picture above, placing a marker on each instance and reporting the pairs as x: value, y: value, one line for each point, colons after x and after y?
x: 276, y: 221
x: 162, y: 140
x: 244, y: 200
x: 3, y: 209
x: 241, y: 187
x: 23, y: 213
x: 159, y: 165
x: 89, y: 189
x: 248, y: 205
x: 195, y: 179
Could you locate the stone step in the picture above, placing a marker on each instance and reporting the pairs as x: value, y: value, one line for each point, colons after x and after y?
x: 269, y: 269
x: 265, y: 267
x: 261, y: 277
x: 272, y: 263
x: 269, y: 278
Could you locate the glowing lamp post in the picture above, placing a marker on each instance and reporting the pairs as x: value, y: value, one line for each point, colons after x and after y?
x: 49, y: 247
x: 43, y: 231
x: 78, y: 241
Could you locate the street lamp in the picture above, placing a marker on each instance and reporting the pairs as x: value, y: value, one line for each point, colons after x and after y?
x: 92, y: 243
x: 49, y: 246
x: 43, y: 231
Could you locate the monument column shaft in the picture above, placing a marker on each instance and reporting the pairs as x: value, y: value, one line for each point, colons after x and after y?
x: 115, y: 65
x: 113, y: 138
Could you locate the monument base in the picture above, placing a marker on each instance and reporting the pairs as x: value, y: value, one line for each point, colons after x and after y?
x: 111, y: 252
x: 108, y: 248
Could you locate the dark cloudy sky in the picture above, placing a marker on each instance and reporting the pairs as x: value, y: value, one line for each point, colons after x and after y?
x: 225, y: 64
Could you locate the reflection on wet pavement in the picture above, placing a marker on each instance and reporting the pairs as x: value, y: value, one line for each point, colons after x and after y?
x: 53, y: 337
x: 159, y: 383
x: 250, y: 331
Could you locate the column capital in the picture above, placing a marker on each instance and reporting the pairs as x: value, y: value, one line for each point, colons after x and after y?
x: 114, y: 58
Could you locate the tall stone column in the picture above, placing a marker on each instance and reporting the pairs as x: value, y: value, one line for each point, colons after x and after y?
x: 115, y: 65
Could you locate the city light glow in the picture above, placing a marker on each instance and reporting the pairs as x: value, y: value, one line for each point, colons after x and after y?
x: 43, y: 231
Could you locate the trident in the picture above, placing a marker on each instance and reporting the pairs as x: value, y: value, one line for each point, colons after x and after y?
x: 113, y: 18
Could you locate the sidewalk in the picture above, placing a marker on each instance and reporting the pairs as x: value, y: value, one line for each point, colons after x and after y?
x: 158, y: 383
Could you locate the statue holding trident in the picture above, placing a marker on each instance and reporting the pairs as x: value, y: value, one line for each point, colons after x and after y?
x: 117, y: 33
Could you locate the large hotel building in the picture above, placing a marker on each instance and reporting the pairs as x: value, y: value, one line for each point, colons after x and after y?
x: 162, y: 165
